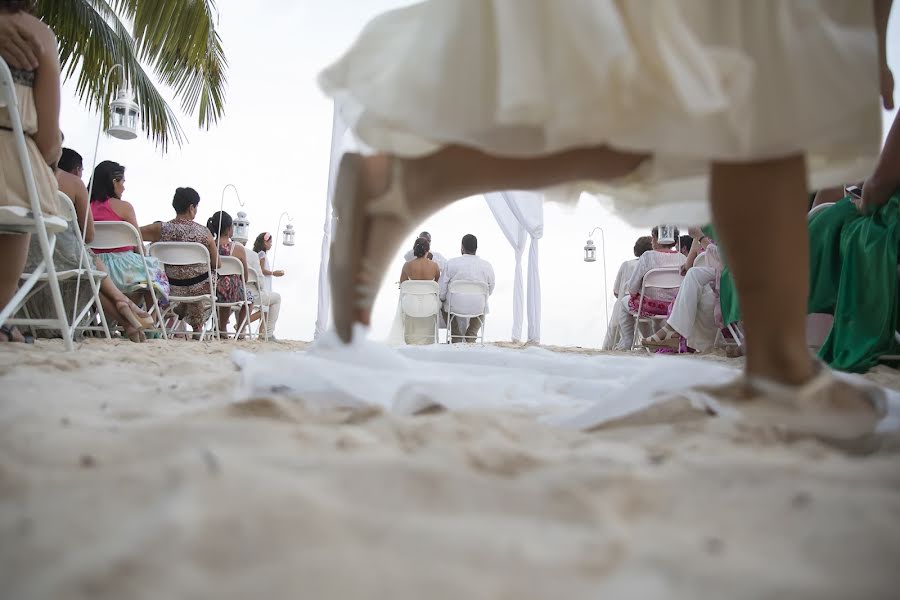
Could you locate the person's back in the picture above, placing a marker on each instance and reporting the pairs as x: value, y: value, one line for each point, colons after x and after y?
x: 421, y: 268
x: 467, y: 267
x: 655, y: 259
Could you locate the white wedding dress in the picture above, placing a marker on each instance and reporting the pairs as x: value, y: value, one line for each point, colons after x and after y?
x: 690, y: 81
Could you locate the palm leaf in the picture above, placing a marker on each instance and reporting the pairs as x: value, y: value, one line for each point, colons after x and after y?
x: 93, y: 38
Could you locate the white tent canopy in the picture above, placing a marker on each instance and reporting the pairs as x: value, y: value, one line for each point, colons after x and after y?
x: 520, y: 216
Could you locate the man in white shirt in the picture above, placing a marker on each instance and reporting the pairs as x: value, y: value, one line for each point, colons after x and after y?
x: 467, y: 267
x: 642, y: 245
x: 435, y: 256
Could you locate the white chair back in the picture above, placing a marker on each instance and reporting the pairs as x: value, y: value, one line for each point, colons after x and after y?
x: 667, y: 278
x: 115, y: 234
x: 230, y: 265
x: 478, y: 290
x: 817, y: 209
x: 180, y: 253
x: 420, y: 298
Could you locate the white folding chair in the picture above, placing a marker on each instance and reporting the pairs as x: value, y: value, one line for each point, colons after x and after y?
x: 230, y: 265
x: 263, y: 328
x: 420, y: 300
x: 185, y: 254
x: 668, y: 278
x: 18, y: 220
x: 478, y: 293
x: 119, y: 234
x: 817, y: 209
x: 93, y: 276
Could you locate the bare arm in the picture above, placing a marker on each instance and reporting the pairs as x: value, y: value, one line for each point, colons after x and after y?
x: 403, y: 275
x: 882, y: 9
x: 213, y: 251
x: 151, y: 233
x: 46, y: 95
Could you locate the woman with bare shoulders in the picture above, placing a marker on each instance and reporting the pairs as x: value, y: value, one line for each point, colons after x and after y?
x: 421, y: 267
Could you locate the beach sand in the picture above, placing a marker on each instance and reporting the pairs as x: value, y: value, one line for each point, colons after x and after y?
x: 128, y: 471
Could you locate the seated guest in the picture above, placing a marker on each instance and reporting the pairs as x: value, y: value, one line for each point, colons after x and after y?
x: 693, y: 315
x: 437, y: 257
x: 421, y: 266
x: 125, y: 265
x: 467, y: 267
x: 187, y: 280
x: 117, y: 307
x: 229, y: 287
x: 268, y: 297
x: 685, y: 242
x: 663, y: 255
x: 71, y: 162
x: 642, y: 245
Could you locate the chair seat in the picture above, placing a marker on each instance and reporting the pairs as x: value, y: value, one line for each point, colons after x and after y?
x: 70, y: 274
x: 19, y: 219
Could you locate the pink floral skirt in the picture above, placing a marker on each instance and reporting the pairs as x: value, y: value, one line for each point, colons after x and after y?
x: 651, y: 307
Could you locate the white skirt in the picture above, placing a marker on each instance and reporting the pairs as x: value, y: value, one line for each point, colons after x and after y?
x: 690, y: 81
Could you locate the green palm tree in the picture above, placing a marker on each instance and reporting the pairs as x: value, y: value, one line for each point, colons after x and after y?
x: 177, y: 39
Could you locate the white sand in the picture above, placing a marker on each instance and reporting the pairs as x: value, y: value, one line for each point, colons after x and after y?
x: 126, y: 471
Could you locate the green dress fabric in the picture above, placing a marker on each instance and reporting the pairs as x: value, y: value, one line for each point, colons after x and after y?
x: 854, y: 259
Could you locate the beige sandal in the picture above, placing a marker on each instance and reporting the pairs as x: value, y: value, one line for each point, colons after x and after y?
x: 664, y: 338
x: 355, y: 277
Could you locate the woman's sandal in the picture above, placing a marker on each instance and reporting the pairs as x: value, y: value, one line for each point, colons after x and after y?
x: 664, y: 338
x: 135, y: 332
x: 825, y: 407
x: 355, y: 276
x: 13, y: 334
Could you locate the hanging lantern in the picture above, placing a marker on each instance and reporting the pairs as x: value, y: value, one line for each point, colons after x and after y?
x: 665, y: 234
x: 590, y: 251
x: 288, y: 239
x: 123, y: 117
x: 241, y: 232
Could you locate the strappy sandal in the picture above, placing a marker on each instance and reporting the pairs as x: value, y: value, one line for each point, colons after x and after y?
x: 664, y: 338
x: 825, y: 407
x: 10, y: 333
x: 355, y: 278
x: 135, y: 332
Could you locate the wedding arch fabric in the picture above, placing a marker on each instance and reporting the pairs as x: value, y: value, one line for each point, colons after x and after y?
x: 519, y: 214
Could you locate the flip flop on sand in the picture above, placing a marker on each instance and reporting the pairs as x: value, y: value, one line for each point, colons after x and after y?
x: 356, y: 267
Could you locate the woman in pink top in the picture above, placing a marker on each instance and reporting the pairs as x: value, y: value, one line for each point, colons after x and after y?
x: 125, y: 265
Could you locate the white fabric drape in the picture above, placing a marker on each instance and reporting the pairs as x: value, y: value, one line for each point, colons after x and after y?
x: 520, y: 216
x: 339, y: 142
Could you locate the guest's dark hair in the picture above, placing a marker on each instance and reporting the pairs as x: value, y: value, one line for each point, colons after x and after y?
x: 185, y: 198
x: 14, y: 6
x: 470, y: 243
x: 260, y: 244
x: 421, y: 247
x: 643, y: 244
x: 685, y: 242
x: 220, y: 221
x: 101, y: 183
x: 655, y: 233
x: 70, y: 160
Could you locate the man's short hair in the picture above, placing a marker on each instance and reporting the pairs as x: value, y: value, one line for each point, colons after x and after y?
x: 643, y: 244
x: 70, y: 160
x: 686, y: 243
x: 470, y: 243
x: 425, y: 235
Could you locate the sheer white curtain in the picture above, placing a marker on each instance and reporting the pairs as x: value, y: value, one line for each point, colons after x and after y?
x: 520, y: 216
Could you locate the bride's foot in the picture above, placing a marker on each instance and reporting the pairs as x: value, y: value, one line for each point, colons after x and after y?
x: 373, y: 217
x: 664, y: 338
x: 825, y: 406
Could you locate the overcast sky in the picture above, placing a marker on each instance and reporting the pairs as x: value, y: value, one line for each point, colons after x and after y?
x: 273, y: 144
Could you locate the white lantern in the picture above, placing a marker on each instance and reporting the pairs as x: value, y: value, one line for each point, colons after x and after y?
x: 288, y: 239
x: 123, y: 117
x: 241, y: 232
x: 665, y: 234
x: 590, y: 251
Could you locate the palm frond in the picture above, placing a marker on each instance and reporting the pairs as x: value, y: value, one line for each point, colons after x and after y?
x: 179, y: 39
x: 92, y: 39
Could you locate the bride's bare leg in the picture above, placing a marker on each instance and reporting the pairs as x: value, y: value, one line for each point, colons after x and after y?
x: 435, y: 181
x: 772, y: 279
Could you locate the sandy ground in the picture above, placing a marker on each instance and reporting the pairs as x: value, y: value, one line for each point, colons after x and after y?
x: 127, y: 471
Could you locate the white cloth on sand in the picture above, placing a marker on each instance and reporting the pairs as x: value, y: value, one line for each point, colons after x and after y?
x: 690, y: 81
x: 566, y: 390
